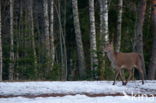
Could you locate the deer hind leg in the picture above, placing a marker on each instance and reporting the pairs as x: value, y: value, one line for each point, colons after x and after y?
x: 116, y: 75
x: 142, y: 74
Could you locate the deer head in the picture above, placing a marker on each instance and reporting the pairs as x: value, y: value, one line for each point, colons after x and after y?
x: 109, y: 47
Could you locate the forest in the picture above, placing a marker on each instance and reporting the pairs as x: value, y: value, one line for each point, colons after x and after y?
x: 65, y: 39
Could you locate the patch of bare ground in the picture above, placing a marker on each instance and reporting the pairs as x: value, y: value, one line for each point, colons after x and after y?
x: 61, y: 95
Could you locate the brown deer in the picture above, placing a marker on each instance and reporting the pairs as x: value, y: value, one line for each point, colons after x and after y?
x: 120, y: 61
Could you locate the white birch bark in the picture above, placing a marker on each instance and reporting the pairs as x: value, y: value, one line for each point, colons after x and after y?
x: 105, y: 20
x: 93, y: 47
x: 104, y: 35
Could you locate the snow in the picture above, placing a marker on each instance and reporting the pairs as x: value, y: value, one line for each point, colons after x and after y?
x: 75, y: 87
x: 79, y: 88
x: 79, y: 99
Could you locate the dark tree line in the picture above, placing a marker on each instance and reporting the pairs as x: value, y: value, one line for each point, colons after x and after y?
x: 64, y: 39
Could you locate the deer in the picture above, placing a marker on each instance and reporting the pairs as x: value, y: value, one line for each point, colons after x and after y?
x: 120, y: 61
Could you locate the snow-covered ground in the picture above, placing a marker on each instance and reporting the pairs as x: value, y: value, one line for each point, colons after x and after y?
x: 79, y: 88
x: 76, y: 87
x: 80, y: 99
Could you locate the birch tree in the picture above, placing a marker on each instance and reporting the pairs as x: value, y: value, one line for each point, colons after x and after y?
x: 1, y: 57
x: 104, y: 34
x: 119, y: 24
x: 138, y: 39
x: 11, y: 65
x: 93, y: 47
x: 79, y: 44
x: 152, y: 65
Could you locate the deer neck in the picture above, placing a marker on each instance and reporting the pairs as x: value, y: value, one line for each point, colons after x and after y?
x: 112, y: 58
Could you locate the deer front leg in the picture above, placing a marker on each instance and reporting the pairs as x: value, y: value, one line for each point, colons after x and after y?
x: 122, y: 78
x: 130, y: 75
x: 116, y: 75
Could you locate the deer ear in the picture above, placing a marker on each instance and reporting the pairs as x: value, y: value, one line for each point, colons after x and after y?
x: 111, y: 45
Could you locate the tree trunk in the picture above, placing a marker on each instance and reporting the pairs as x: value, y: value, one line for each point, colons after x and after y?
x: 1, y: 57
x: 11, y: 65
x: 105, y: 18
x: 80, y: 51
x: 52, y: 31
x: 47, y: 39
x: 119, y: 24
x: 104, y: 35
x: 20, y: 41
x: 31, y: 21
x: 62, y: 39
x: 152, y: 65
x: 93, y: 49
x: 138, y: 40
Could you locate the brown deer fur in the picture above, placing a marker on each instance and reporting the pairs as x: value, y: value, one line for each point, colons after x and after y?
x: 126, y: 61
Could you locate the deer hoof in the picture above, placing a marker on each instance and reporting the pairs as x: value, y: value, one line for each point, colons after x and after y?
x: 114, y: 83
x: 124, y: 83
x: 142, y: 82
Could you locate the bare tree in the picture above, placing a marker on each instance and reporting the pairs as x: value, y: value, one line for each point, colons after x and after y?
x: 152, y: 65
x: 1, y: 57
x: 11, y: 65
x: 52, y: 46
x: 79, y: 44
x: 31, y: 20
x: 47, y: 35
x: 93, y: 49
x: 104, y: 34
x: 62, y: 37
x: 138, y: 39
x: 119, y: 24
x: 105, y: 21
